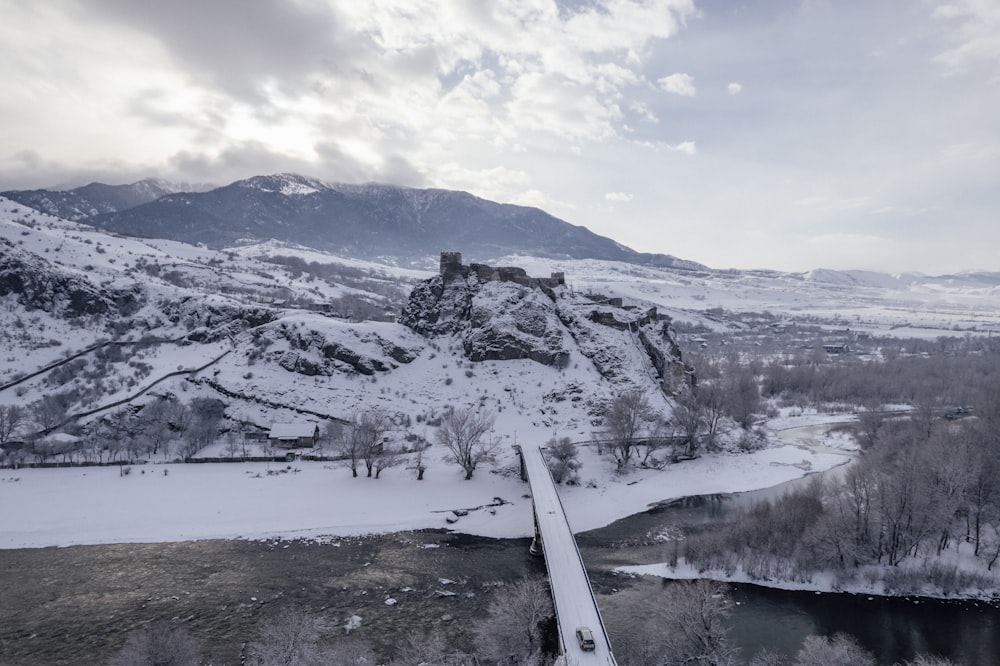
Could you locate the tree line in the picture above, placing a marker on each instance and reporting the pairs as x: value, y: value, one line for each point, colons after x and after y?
x: 923, y: 487
x: 723, y: 396
x: 163, y: 426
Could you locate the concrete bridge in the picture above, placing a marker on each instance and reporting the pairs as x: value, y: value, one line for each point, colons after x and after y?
x: 572, y: 595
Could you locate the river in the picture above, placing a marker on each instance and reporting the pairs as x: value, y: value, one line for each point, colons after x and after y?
x: 894, y: 629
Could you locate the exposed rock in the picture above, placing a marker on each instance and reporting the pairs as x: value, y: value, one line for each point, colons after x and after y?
x: 508, y: 322
x: 313, y: 351
x: 40, y: 285
x: 503, y: 314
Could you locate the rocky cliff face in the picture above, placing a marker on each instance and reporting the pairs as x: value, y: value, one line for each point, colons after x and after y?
x: 504, y: 320
x: 328, y: 351
x: 41, y: 285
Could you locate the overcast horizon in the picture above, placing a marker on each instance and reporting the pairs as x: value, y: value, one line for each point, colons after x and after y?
x: 788, y: 135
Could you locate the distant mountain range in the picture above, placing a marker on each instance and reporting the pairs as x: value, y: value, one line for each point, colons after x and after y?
x: 86, y: 202
x: 373, y: 221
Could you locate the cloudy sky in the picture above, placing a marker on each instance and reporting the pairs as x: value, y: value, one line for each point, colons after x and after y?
x: 786, y: 134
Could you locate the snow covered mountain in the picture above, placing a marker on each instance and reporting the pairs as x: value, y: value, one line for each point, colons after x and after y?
x: 373, y: 221
x: 93, y: 199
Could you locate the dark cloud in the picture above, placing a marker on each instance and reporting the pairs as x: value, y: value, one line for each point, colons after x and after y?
x: 251, y: 158
x: 240, y: 47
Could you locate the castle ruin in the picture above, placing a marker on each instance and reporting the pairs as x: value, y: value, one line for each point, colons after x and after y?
x: 452, y: 268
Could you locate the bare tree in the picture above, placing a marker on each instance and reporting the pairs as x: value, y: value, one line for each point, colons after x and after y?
x: 158, y: 644
x: 512, y: 631
x: 420, y: 465
x: 930, y: 660
x: 155, y: 423
x: 350, y: 651
x: 115, y: 430
x: 741, y: 394
x: 461, y: 432
x: 563, y: 464
x: 203, y: 429
x: 292, y: 638
x: 688, y: 420
x: 12, y: 419
x: 232, y: 443
x: 711, y: 397
x: 768, y: 658
x: 692, y: 624
x: 625, y: 421
x: 424, y: 650
x: 982, y: 494
x: 50, y: 411
x: 363, y: 440
x: 387, y: 458
x: 870, y: 422
x: 841, y: 650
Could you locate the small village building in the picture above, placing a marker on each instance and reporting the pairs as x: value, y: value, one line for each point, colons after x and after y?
x: 294, y: 435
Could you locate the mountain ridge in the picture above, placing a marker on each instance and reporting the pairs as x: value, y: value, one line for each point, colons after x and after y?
x: 390, y: 224
x: 367, y: 220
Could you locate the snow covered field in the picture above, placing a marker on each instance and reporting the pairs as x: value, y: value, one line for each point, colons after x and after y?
x: 178, y: 502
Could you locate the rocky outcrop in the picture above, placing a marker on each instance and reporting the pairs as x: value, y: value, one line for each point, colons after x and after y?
x: 503, y: 315
x: 438, y: 306
x: 213, y: 321
x: 508, y: 322
x: 497, y: 320
x: 312, y: 351
x: 660, y: 343
x: 41, y: 285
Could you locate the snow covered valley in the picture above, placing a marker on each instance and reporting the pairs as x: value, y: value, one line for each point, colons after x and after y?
x: 148, y: 352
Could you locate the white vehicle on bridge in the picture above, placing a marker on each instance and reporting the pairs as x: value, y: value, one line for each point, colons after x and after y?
x: 586, y: 638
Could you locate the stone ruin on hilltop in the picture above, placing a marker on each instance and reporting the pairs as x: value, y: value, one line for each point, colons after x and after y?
x: 452, y: 267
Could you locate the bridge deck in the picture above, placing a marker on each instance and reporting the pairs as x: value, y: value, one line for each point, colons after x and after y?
x: 571, y: 592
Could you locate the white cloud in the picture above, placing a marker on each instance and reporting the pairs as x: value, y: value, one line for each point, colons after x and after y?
x: 679, y: 84
x: 541, y: 200
x: 498, y: 183
x: 618, y: 196
x: 686, y: 147
x: 423, y: 78
x: 734, y: 88
x: 977, y: 31
x: 643, y: 112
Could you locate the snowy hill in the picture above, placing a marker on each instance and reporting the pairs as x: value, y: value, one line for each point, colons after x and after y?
x: 279, y: 331
x: 268, y: 330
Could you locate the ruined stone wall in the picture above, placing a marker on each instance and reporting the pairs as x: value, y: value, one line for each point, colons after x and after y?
x: 451, y: 267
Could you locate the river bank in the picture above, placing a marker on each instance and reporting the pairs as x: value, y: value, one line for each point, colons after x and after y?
x: 77, y: 604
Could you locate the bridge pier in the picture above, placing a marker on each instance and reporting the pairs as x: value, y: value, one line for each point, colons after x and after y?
x: 535, y: 548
